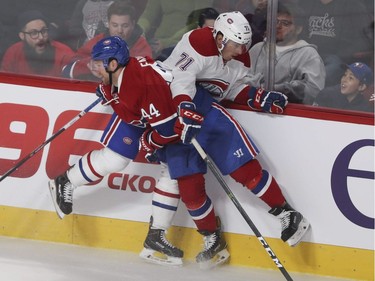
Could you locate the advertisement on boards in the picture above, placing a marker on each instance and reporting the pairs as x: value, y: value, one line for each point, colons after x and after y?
x: 325, y: 168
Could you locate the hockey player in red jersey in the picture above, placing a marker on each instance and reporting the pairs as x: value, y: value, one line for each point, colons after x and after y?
x: 117, y: 154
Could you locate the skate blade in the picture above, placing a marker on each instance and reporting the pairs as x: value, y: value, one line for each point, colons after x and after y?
x: 158, y: 258
x: 303, y: 227
x: 219, y: 259
x: 52, y: 189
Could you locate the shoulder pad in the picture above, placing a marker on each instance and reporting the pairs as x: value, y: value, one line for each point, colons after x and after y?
x: 202, y: 41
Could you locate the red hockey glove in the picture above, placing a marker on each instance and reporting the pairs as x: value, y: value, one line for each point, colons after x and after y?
x: 272, y: 102
x: 147, y: 145
x: 188, y: 123
x: 105, y: 92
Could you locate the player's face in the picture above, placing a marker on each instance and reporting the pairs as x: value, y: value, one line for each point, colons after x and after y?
x: 97, y: 68
x: 35, y: 34
x: 121, y: 25
x: 349, y: 83
x: 232, y: 50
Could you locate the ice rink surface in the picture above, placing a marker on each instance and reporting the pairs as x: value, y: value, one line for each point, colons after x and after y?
x: 30, y: 260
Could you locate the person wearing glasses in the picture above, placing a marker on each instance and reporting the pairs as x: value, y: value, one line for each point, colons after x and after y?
x: 36, y: 53
x: 299, y: 69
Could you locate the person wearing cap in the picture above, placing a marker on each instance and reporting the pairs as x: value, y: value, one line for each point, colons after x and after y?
x: 348, y: 94
x: 36, y: 53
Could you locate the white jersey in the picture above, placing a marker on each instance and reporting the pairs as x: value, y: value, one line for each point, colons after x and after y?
x: 196, y: 59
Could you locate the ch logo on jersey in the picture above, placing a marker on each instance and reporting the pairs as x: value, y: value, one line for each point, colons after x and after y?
x: 238, y: 153
x: 215, y: 87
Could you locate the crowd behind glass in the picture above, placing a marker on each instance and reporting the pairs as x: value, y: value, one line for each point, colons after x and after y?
x: 323, y: 49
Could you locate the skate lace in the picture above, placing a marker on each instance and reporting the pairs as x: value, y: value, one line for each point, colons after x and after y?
x: 68, y: 192
x: 165, y: 241
x: 285, y: 220
x: 209, y: 241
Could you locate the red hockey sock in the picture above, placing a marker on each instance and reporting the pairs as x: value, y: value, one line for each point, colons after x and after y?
x: 199, y: 205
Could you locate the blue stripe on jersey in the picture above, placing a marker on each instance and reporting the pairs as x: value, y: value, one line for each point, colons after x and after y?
x: 164, y: 206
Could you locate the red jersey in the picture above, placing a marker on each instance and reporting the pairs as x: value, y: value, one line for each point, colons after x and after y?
x: 144, y: 97
x: 14, y: 59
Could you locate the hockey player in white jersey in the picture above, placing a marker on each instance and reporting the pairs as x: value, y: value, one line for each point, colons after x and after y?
x: 217, y: 59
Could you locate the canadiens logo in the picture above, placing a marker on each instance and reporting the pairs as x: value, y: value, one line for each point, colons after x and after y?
x: 127, y: 140
x: 107, y: 42
x: 215, y: 87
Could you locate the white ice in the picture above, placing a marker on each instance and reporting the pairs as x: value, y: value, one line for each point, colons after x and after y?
x: 31, y: 260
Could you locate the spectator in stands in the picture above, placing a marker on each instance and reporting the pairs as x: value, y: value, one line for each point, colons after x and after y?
x: 89, y: 18
x: 207, y: 17
x: 348, y: 94
x: 299, y: 70
x: 121, y: 22
x: 36, y: 53
x: 197, y: 19
x: 258, y: 20
x: 337, y: 28
x: 164, y: 21
x: 56, y: 13
x: 255, y: 12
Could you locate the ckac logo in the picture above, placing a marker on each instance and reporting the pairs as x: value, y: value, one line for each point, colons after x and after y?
x: 339, y: 183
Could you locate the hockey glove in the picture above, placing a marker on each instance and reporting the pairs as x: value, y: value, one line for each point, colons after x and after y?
x: 105, y: 92
x: 272, y: 102
x: 147, y: 145
x: 188, y: 123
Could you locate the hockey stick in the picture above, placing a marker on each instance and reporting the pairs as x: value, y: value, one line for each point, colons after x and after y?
x: 36, y: 150
x: 231, y: 196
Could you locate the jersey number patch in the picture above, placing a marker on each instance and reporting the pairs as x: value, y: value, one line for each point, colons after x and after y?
x: 152, y: 112
x: 185, y: 61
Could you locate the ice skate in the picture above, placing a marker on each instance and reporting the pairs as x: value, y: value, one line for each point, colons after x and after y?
x: 293, y: 224
x: 62, y: 195
x: 215, y: 249
x: 157, y: 249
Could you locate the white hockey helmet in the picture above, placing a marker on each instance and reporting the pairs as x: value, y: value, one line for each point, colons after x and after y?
x: 234, y: 26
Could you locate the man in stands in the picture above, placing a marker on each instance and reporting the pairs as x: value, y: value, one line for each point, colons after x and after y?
x: 121, y: 22
x: 36, y: 54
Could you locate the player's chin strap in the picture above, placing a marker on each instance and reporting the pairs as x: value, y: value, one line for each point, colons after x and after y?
x: 114, y: 95
x: 111, y: 72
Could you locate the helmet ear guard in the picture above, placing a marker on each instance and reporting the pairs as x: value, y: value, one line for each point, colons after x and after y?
x: 233, y: 26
